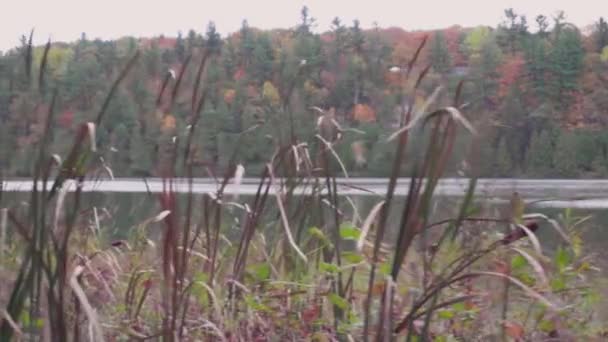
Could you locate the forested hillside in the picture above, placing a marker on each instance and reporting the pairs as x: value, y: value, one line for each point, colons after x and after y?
x: 535, y: 88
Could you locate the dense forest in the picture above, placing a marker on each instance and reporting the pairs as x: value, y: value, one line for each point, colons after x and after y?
x: 537, y: 91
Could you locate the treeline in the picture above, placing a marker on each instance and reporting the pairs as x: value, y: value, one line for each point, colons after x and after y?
x: 537, y: 91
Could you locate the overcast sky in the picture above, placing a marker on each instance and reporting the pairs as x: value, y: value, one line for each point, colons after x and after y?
x: 65, y: 19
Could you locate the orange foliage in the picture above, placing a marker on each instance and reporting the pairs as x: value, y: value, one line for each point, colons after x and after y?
x: 168, y: 124
x: 514, y: 330
x: 364, y: 113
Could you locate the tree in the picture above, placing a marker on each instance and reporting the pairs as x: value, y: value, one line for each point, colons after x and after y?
x: 518, y: 134
x: 140, y: 154
x: 180, y: 48
x: 542, y: 25
x: 604, y: 55
x: 340, y: 42
x: 601, y: 35
x: 513, y: 30
x: 503, y: 164
x: 120, y: 150
x: 247, y: 44
x: 564, y: 158
x: 539, y: 158
x: 7, y: 148
x: 191, y: 41
x: 566, y: 60
x: 537, y: 66
x: 440, y: 55
x: 306, y: 21
x: 484, y: 65
x: 213, y: 40
x: 477, y: 39
x: 263, y: 59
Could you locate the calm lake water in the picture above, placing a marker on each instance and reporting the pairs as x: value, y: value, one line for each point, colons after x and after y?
x: 123, y: 203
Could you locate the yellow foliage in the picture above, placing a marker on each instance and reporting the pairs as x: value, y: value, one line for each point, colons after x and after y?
x: 271, y: 94
x: 229, y: 96
x: 359, y: 63
x: 604, y: 55
x: 475, y: 40
x: 309, y: 87
x: 57, y: 59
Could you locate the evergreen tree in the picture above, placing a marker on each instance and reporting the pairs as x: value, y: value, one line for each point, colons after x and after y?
x: 440, y: 55
x: 601, y: 35
x: 306, y: 21
x: 566, y: 61
x: 537, y: 65
x: 542, y: 25
x: 7, y: 147
x: 340, y: 42
x: 247, y: 44
x: 484, y: 73
x: 180, y: 48
x: 119, y: 151
x: 191, y: 41
x: 503, y: 164
x: 539, y: 158
x: 263, y: 59
x: 140, y: 154
x: 513, y: 31
x: 213, y: 40
x: 564, y: 158
x: 519, y: 131
x: 152, y: 60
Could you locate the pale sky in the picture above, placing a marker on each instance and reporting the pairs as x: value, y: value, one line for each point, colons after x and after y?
x: 64, y: 20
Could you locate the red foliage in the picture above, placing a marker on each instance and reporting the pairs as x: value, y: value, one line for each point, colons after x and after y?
x: 239, y: 74
x: 328, y: 79
x: 452, y: 37
x: 163, y: 43
x: 252, y: 91
x: 405, y: 44
x: 66, y: 119
x: 510, y: 72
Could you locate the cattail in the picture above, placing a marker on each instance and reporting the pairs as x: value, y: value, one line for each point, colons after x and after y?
x: 519, y: 233
x: 358, y: 149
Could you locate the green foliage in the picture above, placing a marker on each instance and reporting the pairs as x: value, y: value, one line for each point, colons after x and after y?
x: 140, y: 152
x: 349, y: 232
x: 566, y: 65
x: 439, y: 55
x: 484, y: 72
x: 601, y: 35
x: 539, y: 158
x: 564, y: 157
x: 537, y: 64
x: 503, y: 163
x: 339, y: 69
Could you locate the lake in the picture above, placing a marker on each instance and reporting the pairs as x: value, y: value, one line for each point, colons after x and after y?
x: 126, y: 202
